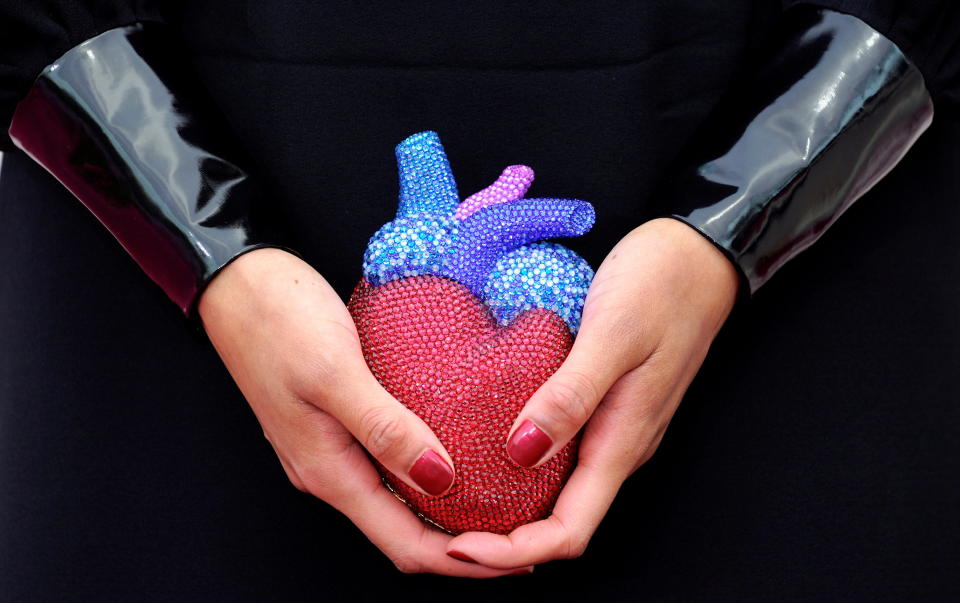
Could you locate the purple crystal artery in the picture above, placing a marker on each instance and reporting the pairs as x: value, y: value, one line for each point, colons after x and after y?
x: 512, y: 184
x: 489, y: 242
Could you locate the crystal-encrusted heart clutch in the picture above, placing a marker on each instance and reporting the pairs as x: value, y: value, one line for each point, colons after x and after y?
x: 463, y: 312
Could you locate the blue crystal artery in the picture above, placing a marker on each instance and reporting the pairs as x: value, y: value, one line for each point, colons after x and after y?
x: 492, y: 245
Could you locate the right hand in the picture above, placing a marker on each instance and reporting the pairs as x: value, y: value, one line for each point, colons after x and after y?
x: 292, y: 348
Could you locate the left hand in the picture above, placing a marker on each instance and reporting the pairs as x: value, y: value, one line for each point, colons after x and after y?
x: 654, y: 307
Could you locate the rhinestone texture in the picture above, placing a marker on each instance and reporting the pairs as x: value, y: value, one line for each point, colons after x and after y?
x: 543, y: 275
x: 433, y: 345
x: 512, y: 184
x: 463, y: 312
x: 435, y: 234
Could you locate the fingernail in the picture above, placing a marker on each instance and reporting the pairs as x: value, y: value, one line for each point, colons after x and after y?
x: 528, y: 444
x: 432, y: 473
x: 461, y: 556
x: 521, y: 572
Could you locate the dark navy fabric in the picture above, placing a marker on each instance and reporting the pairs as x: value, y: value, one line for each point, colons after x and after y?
x: 814, y: 457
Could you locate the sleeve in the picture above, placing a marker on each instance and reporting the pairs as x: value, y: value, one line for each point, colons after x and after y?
x: 35, y: 32
x: 927, y: 31
x: 816, y: 121
x: 123, y: 123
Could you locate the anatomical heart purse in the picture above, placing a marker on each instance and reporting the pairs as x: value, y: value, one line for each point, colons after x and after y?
x: 463, y: 312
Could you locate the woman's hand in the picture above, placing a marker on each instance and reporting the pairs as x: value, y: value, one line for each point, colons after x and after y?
x: 653, y: 309
x: 291, y: 346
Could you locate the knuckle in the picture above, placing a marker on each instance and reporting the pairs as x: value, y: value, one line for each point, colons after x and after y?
x: 406, y: 565
x: 311, y: 483
x: 570, y: 400
x: 576, y: 547
x: 299, y: 485
x: 296, y: 479
x: 648, y: 445
x: 383, y: 432
x: 326, y: 488
x: 315, y: 380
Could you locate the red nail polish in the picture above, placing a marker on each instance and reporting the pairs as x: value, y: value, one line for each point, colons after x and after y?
x: 432, y: 473
x: 528, y: 444
x: 522, y: 572
x: 461, y: 556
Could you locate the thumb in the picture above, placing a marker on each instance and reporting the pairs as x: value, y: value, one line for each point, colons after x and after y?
x: 564, y: 403
x: 393, y: 434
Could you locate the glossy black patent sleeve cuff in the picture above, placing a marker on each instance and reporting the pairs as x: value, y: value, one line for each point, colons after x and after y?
x: 122, y: 123
x: 830, y: 112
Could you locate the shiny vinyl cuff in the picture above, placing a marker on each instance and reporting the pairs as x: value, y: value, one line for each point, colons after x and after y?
x: 830, y: 112
x: 121, y: 122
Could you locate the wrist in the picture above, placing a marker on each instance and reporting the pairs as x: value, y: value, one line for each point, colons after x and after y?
x: 242, y: 285
x: 700, y: 274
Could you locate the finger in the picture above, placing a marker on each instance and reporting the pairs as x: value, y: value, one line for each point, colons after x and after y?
x: 408, y: 542
x: 288, y: 468
x: 564, y: 535
x: 564, y: 403
x: 392, y: 433
x: 625, y: 430
x: 620, y: 434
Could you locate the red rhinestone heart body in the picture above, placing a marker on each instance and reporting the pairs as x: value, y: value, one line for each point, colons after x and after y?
x: 434, y: 346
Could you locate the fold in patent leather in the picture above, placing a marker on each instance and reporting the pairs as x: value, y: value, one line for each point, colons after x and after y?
x: 123, y: 125
x: 830, y: 112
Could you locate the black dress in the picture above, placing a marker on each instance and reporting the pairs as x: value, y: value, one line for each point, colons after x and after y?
x: 815, y: 455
